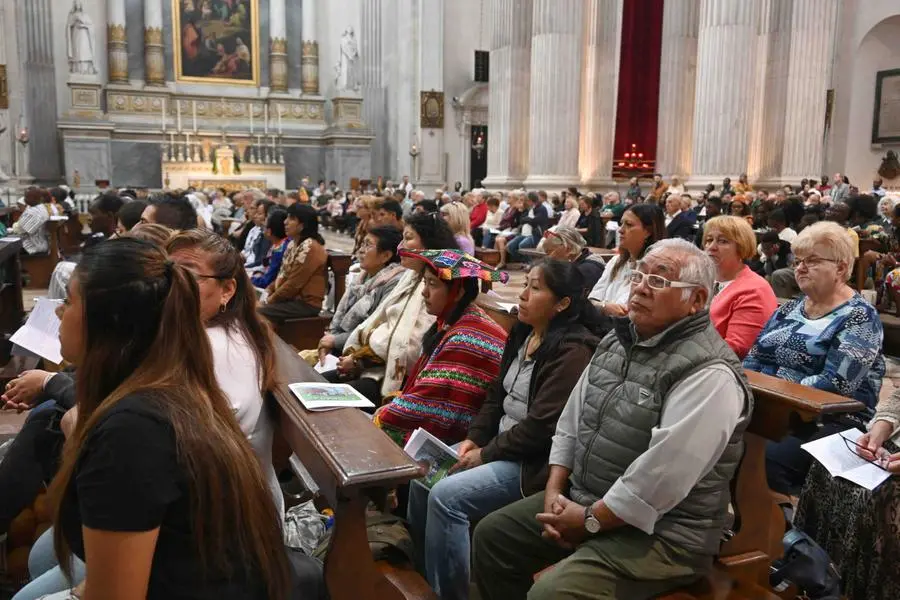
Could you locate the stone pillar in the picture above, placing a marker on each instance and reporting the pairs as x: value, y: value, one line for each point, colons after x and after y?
x: 431, y: 161
x: 278, y: 67
x: 724, y: 99
x: 309, y: 56
x: 116, y: 44
x: 599, y: 91
x: 678, y: 72
x: 813, y: 25
x: 154, y: 60
x: 556, y: 57
x: 510, y: 64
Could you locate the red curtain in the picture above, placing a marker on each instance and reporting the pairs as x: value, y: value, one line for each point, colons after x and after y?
x: 638, y: 100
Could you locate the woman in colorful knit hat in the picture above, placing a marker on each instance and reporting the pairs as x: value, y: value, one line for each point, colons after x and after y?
x: 460, y: 353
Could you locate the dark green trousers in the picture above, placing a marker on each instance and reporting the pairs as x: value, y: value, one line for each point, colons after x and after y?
x: 623, y: 563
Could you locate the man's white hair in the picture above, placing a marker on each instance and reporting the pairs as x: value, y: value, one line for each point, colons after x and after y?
x: 418, y: 195
x: 696, y: 266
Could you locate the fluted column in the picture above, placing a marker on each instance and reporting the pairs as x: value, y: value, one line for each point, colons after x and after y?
x: 556, y: 56
x: 278, y: 66
x: 154, y: 60
x: 599, y: 90
x: 510, y: 74
x: 116, y: 44
x: 309, y: 56
x: 813, y: 27
x: 724, y: 99
x: 678, y: 73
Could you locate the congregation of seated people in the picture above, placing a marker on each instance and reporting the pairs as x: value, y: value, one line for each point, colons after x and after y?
x: 598, y: 437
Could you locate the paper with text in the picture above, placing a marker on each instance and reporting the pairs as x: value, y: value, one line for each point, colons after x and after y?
x: 840, y: 460
x: 40, y: 333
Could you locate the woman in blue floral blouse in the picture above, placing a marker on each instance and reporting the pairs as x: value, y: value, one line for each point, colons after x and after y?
x: 829, y: 338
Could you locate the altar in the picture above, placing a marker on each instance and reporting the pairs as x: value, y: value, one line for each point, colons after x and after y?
x: 193, y: 166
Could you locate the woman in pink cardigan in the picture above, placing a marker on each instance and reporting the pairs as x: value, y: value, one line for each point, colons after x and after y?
x: 744, y: 301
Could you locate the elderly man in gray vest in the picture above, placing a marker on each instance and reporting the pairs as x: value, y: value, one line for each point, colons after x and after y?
x: 642, y: 458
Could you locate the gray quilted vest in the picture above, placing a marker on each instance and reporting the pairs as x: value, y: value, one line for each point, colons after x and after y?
x: 627, y: 389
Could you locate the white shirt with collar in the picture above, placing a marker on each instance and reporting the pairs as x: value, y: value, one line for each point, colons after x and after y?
x: 670, y: 218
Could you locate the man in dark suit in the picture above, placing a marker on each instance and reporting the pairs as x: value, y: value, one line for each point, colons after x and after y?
x: 679, y: 223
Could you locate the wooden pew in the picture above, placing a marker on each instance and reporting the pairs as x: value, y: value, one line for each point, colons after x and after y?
x: 305, y: 333
x: 11, y: 305
x: 40, y: 266
x: 352, y: 462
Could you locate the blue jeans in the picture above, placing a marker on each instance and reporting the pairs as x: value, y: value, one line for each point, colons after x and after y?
x: 520, y: 241
x: 439, y: 521
x: 47, y: 577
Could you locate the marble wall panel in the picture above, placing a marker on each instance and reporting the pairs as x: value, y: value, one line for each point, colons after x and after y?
x: 136, y: 164
x: 304, y: 161
x: 91, y: 157
x: 344, y: 163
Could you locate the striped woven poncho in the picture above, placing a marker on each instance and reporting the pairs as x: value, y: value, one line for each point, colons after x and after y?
x: 446, y: 389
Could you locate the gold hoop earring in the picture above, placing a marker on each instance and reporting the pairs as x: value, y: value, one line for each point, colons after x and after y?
x: 223, y: 307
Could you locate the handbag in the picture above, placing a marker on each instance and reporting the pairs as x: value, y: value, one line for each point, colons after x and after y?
x: 806, y: 565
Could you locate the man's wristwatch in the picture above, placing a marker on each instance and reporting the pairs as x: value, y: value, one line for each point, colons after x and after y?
x: 591, y: 524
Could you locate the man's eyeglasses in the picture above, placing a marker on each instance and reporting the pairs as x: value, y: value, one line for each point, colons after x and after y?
x: 657, y: 282
x: 855, y: 448
x: 811, y: 262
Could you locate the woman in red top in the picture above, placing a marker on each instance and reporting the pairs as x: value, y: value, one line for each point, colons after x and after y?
x: 744, y: 301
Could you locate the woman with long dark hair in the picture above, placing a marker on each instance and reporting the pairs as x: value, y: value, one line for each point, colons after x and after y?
x: 460, y: 351
x: 299, y: 289
x: 642, y: 225
x: 381, y: 350
x: 504, y: 456
x: 159, y: 491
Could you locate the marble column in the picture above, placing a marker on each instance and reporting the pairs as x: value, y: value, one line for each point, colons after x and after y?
x: 278, y: 66
x: 813, y: 26
x: 599, y: 90
x: 431, y: 161
x: 116, y: 44
x: 510, y: 75
x: 154, y: 59
x: 556, y: 58
x: 309, y: 56
x: 724, y: 98
x: 6, y: 128
x: 678, y: 72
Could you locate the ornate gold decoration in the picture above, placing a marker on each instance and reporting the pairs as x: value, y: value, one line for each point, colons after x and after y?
x: 432, y: 110
x: 309, y: 68
x: 279, y: 46
x: 252, y: 34
x: 4, y: 88
x: 153, y: 36
x: 115, y: 33
x: 278, y: 73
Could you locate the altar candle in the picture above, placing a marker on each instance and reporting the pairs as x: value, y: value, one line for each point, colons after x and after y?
x: 194, y: 111
x: 251, y: 119
x: 163, y: 115
x: 178, y: 111
x: 279, y: 119
x: 266, y: 115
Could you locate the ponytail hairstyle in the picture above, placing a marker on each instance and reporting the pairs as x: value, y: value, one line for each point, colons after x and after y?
x: 434, y: 231
x: 240, y: 313
x: 142, y: 328
x: 309, y: 218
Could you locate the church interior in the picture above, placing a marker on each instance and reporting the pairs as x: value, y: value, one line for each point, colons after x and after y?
x: 449, y: 299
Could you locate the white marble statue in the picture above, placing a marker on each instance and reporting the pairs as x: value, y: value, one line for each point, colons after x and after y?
x: 80, y: 41
x: 347, y: 68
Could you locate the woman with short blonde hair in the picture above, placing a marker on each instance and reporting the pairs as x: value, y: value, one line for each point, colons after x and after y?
x: 457, y: 216
x: 743, y: 301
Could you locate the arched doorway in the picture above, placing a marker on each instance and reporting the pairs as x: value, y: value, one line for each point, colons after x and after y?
x: 471, y: 112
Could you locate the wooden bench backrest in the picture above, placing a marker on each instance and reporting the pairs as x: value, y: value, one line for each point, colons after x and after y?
x: 352, y: 461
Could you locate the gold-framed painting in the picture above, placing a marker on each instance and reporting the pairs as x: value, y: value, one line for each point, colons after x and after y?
x: 432, y: 110
x: 886, y: 120
x: 216, y: 41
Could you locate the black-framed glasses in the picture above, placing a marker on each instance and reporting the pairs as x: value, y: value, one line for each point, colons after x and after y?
x: 854, y: 448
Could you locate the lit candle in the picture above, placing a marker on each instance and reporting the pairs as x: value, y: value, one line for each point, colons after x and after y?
x: 251, y: 119
x: 178, y: 111
x: 164, y: 115
x: 266, y: 116
x: 279, y: 119
x: 194, y: 113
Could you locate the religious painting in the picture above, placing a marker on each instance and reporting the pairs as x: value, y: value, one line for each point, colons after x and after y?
x: 432, y: 116
x: 216, y: 41
x: 886, y: 122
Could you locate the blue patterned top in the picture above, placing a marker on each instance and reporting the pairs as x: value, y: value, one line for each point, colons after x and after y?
x: 839, y: 352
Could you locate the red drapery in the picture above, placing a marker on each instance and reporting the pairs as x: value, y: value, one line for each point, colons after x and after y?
x: 638, y: 100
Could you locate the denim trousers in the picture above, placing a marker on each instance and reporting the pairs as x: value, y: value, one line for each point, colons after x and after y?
x: 439, y: 521
x: 47, y: 576
x: 517, y: 243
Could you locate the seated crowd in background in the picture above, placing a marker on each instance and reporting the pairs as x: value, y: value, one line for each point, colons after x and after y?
x: 546, y: 458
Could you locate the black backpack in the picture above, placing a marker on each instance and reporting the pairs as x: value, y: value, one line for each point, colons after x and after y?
x: 806, y: 565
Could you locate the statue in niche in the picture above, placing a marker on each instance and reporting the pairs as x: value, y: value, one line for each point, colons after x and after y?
x: 347, y: 68
x: 80, y: 41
